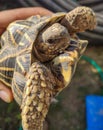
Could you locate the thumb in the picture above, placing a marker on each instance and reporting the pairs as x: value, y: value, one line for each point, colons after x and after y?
x: 5, y: 93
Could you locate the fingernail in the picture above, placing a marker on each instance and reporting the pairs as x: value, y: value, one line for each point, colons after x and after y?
x: 4, y: 96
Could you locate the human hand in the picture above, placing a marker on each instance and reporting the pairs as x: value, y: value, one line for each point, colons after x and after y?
x: 7, y: 17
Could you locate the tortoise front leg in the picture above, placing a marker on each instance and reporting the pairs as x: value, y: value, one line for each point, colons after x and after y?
x: 37, y: 97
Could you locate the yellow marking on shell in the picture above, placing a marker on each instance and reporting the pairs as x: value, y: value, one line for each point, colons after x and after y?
x: 15, y: 96
x: 30, y: 18
x: 6, y: 83
x: 23, y: 59
x: 13, y: 55
x: 7, y: 57
x: 16, y: 86
x: 27, y: 37
x: 12, y: 38
x: 4, y: 39
x: 55, y: 17
x: 6, y: 69
x: 19, y: 32
x: 16, y: 24
x: 3, y: 49
x: 20, y: 65
x: 21, y: 43
x: 5, y: 76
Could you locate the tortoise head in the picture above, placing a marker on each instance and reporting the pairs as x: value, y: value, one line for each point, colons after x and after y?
x: 79, y: 20
x: 52, y: 41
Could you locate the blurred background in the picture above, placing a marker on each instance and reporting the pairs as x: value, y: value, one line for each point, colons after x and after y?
x: 70, y: 110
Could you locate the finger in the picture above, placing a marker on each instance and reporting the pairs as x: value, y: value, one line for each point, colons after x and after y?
x: 9, y: 16
x: 5, y: 93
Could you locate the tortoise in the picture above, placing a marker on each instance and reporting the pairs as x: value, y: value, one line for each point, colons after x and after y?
x: 38, y: 58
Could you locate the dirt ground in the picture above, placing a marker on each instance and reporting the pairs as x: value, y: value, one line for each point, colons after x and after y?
x: 70, y: 110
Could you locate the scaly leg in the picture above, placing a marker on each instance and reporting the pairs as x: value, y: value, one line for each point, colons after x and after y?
x: 37, y: 97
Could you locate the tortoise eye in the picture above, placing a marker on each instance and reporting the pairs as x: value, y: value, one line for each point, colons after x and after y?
x: 51, y: 41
